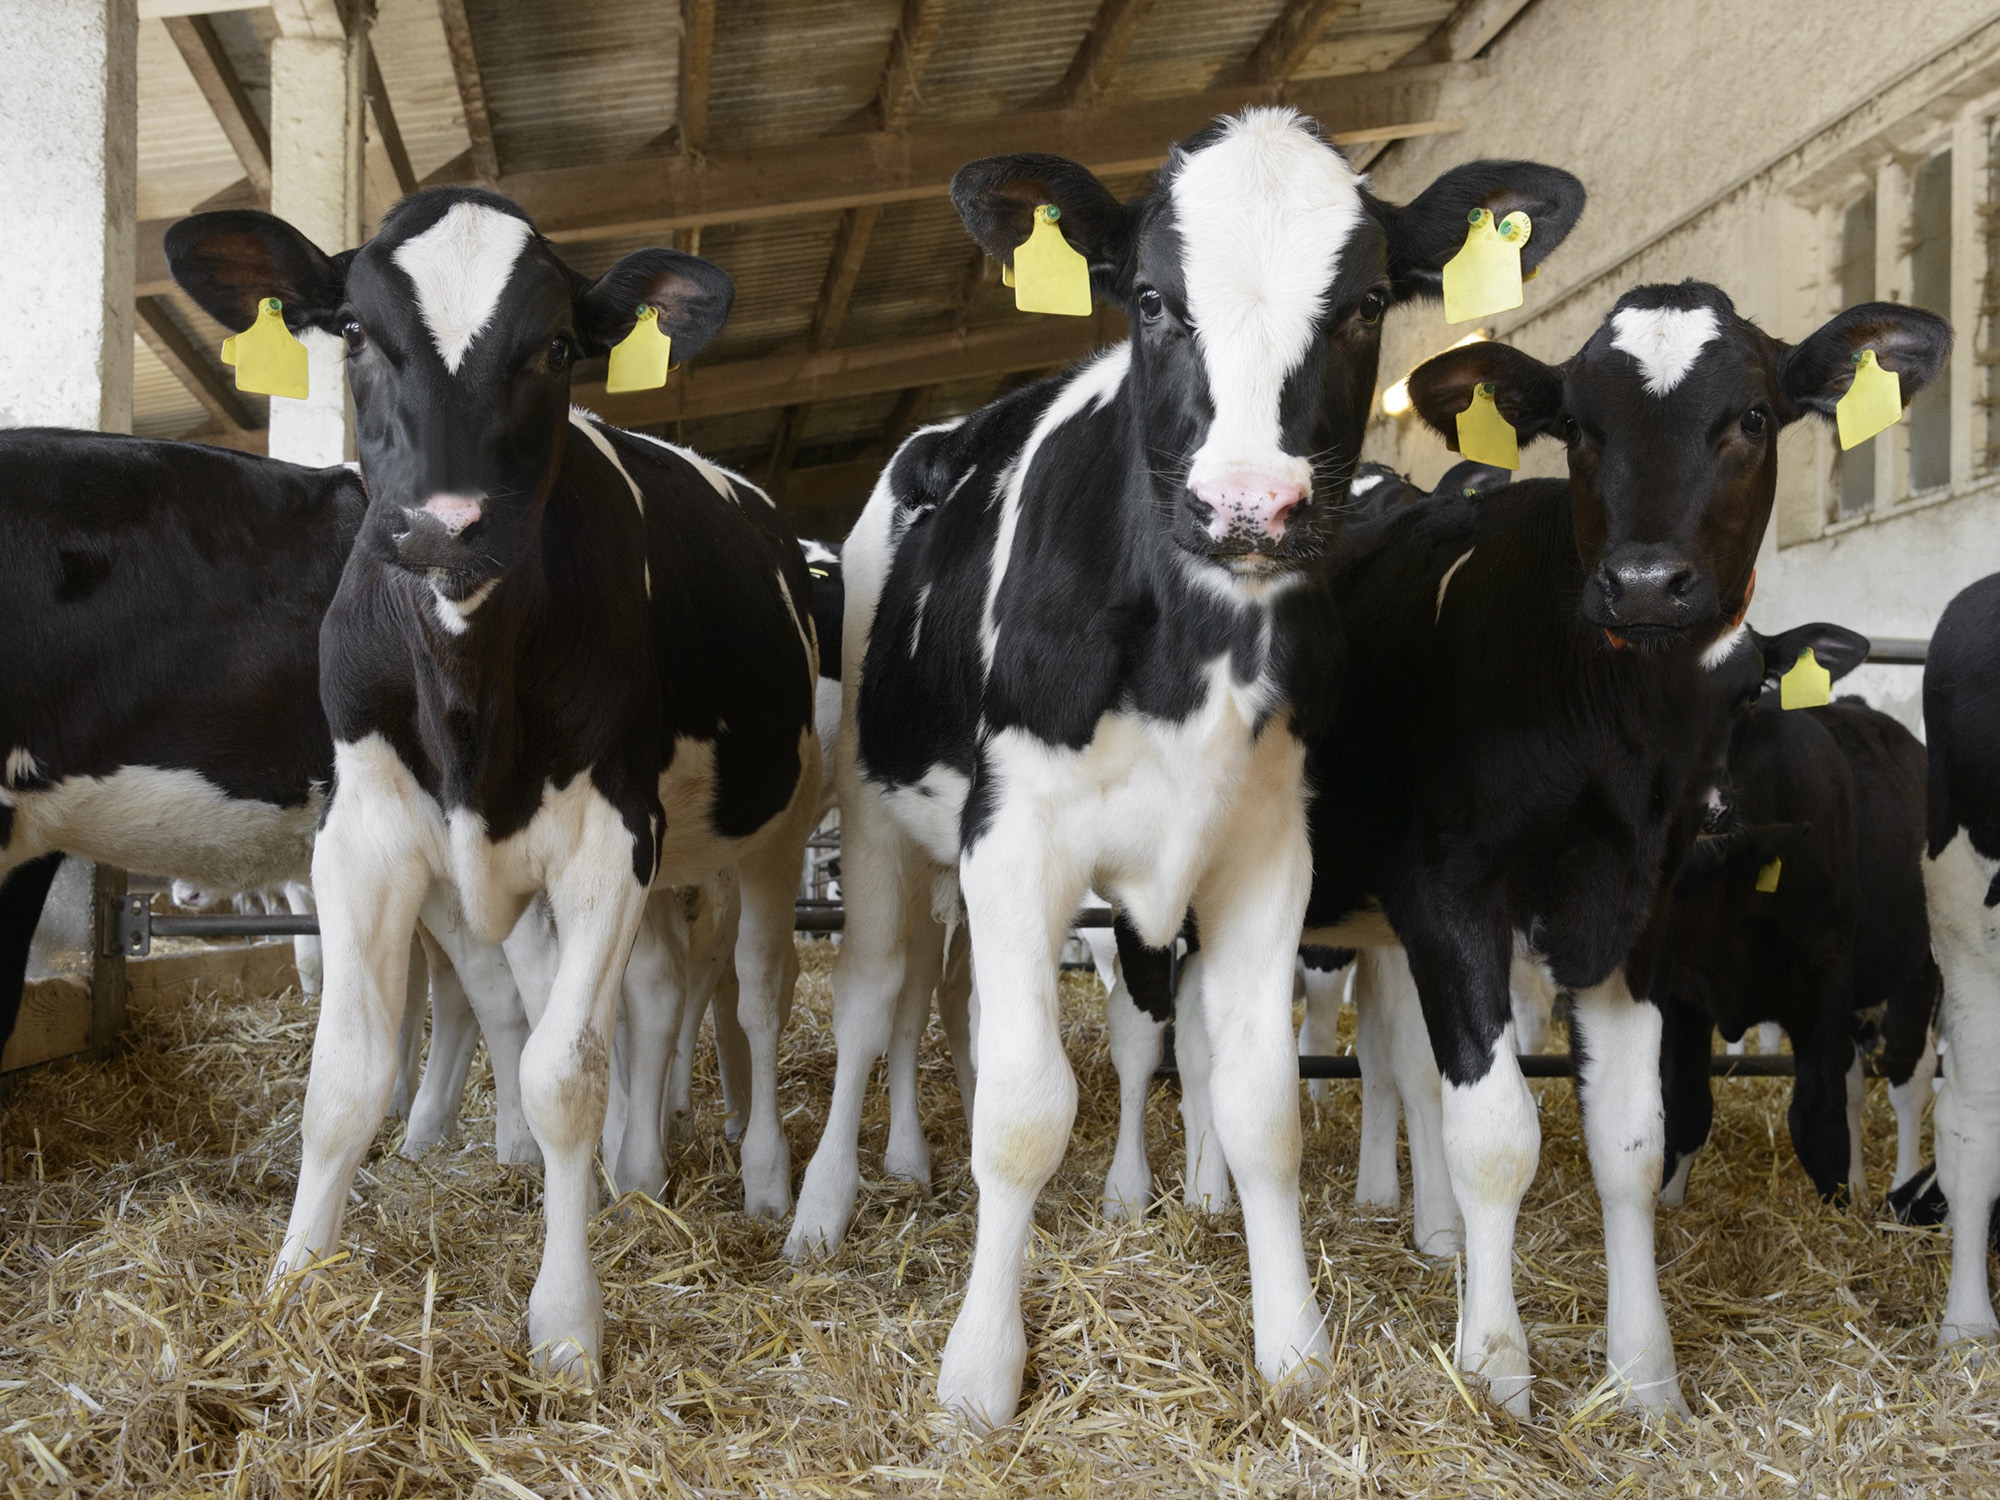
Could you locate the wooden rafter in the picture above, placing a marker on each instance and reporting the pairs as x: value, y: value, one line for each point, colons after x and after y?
x: 1293, y: 32
x: 697, y: 60
x: 909, y: 55
x: 190, y: 367
x: 215, y: 75
x: 387, y: 129
x: 1098, y: 56
x: 1465, y: 34
x: 471, y: 88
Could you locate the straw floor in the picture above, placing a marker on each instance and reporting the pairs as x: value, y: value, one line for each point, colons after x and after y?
x: 138, y: 1355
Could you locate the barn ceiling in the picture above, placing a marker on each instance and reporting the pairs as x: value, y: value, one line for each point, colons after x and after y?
x: 802, y: 145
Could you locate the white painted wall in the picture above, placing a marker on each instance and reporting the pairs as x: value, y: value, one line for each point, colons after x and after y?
x: 1714, y: 137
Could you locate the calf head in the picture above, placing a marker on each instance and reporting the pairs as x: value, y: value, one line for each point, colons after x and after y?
x: 462, y: 326
x: 1255, y: 273
x: 1671, y: 414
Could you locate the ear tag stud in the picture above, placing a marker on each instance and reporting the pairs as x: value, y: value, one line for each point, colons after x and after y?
x: 639, y: 360
x: 268, y: 360
x: 1872, y: 403
x: 1767, y: 878
x: 1049, y: 276
x: 1484, y: 436
x: 1807, y: 685
x: 1485, y: 276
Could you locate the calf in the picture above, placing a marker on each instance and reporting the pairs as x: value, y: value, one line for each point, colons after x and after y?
x: 1526, y: 731
x: 561, y: 659
x: 1086, y: 630
x: 1835, y: 797
x: 1962, y: 884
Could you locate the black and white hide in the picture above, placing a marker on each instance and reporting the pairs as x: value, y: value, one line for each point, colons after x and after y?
x: 1962, y: 886
x: 1087, y: 629
x: 1826, y: 807
x: 562, y: 659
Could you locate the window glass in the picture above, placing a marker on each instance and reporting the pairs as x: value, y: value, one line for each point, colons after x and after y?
x: 1854, y: 471
x: 1930, y: 288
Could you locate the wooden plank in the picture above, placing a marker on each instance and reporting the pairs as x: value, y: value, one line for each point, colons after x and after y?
x: 1099, y: 54
x: 386, y: 127
x: 215, y: 75
x: 54, y: 1022
x: 1293, y: 32
x: 107, y: 962
x: 178, y: 353
x: 471, y: 88
x: 697, y: 64
x: 909, y: 54
x: 1466, y: 34
x: 858, y: 370
x: 838, y: 172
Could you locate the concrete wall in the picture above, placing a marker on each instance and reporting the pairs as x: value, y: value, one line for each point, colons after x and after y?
x: 1719, y: 140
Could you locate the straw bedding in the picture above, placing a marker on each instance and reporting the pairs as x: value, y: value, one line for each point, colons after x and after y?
x: 139, y: 1354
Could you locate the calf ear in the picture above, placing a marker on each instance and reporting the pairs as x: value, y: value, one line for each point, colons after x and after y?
x: 1528, y: 392
x: 231, y: 260
x: 997, y: 196
x: 1775, y: 840
x: 1912, y: 342
x: 1431, y: 229
x: 1835, y: 647
x: 691, y: 295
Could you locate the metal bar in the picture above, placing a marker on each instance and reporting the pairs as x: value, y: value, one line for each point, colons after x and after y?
x: 1558, y: 1065
x: 1898, y: 651
x: 283, y: 924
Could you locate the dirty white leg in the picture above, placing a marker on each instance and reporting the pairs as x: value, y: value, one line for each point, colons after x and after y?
x: 1435, y: 1219
x: 1376, y: 1183
x: 454, y: 1037
x: 1965, y: 935
x: 485, y: 970
x: 565, y: 1076
x: 369, y: 888
x: 957, y: 1015
x: 1857, y: 1098
x: 1135, y: 1052
x: 410, y: 1038
x: 654, y: 988
x: 1533, y: 995
x: 1624, y: 1122
x: 1908, y: 1100
x: 1103, y: 948
x: 908, y: 1155
x: 1018, y: 905
x: 305, y: 947
x: 767, y: 969
x: 1206, y: 1183
x: 1319, y: 1032
x: 1770, y: 1038
x: 886, y: 886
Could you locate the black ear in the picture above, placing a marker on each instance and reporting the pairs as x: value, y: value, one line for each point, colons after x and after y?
x: 997, y: 197
x: 1775, y: 840
x: 1431, y: 229
x: 1912, y: 342
x: 692, y: 297
x: 1528, y: 392
x: 231, y: 260
x: 1835, y: 647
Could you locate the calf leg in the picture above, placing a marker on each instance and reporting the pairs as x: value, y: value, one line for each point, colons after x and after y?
x: 1376, y: 1181
x: 1319, y: 1032
x: 305, y: 947
x: 23, y: 893
x: 1688, y: 1103
x: 487, y: 974
x: 1965, y: 934
x: 909, y: 1154
x: 956, y: 1003
x: 1615, y: 1039
x: 1909, y: 1061
x: 767, y: 969
x: 1135, y: 1052
x: 1908, y: 1099
x: 1820, y: 1111
x: 454, y: 1036
x: 565, y: 1077
x: 1435, y: 1218
x: 654, y: 989
x: 410, y: 1039
x: 1206, y: 1184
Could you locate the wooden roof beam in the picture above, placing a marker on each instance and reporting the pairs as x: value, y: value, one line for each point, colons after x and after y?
x: 697, y: 65
x: 838, y: 172
x: 471, y: 88
x: 1293, y: 32
x: 1466, y: 33
x: 1098, y: 56
x: 386, y: 128
x: 177, y: 352
x: 215, y: 75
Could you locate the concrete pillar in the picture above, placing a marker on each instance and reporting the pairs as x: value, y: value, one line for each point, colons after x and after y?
x: 316, y: 165
x: 69, y: 121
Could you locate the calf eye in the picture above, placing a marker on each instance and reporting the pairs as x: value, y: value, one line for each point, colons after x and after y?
x: 1570, y: 431
x: 352, y: 332
x: 1372, y: 307
x: 1754, y: 420
x: 561, y: 351
x: 1150, y: 305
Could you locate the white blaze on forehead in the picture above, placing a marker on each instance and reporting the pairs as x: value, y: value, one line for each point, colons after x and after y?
x: 1264, y: 214
x: 459, y: 267
x: 1665, y: 341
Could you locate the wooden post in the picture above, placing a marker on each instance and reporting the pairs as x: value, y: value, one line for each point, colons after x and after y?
x: 107, y: 959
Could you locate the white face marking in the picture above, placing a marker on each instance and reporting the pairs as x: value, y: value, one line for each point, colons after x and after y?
x: 1665, y: 341
x: 1264, y: 214
x: 459, y: 267
x: 1724, y: 648
x: 1362, y: 484
x: 455, y: 615
x: 818, y: 552
x: 20, y: 766
x: 1445, y: 582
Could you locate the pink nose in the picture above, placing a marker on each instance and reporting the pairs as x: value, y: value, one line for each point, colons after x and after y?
x: 455, y: 512
x: 1257, y: 503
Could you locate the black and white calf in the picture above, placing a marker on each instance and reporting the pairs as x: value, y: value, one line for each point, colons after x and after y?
x: 1962, y: 884
x: 1527, y: 732
x: 561, y: 659
x: 1835, y: 796
x: 1086, y: 631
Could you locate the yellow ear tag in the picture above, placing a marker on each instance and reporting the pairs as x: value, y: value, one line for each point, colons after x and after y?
x: 1485, y: 276
x: 268, y: 359
x: 229, y: 350
x: 1050, y: 277
x: 639, y: 360
x: 1767, y: 878
x: 1872, y: 403
x: 1484, y: 435
x: 1807, y: 685
x: 1006, y: 276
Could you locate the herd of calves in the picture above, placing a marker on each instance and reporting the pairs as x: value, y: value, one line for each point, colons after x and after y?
x: 546, y: 711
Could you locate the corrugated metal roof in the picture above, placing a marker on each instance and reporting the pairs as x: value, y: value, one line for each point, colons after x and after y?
x: 576, y: 84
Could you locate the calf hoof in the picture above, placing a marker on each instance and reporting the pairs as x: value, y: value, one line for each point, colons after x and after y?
x: 521, y: 1150
x: 732, y: 1128
x: 1439, y: 1244
x: 826, y: 1207
x: 1970, y: 1337
x: 647, y: 1176
x: 1651, y: 1384
x: 980, y: 1379
x: 1504, y: 1368
x: 767, y: 1175
x: 909, y: 1162
x: 565, y: 1340
x: 1127, y: 1191
x: 1207, y: 1182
